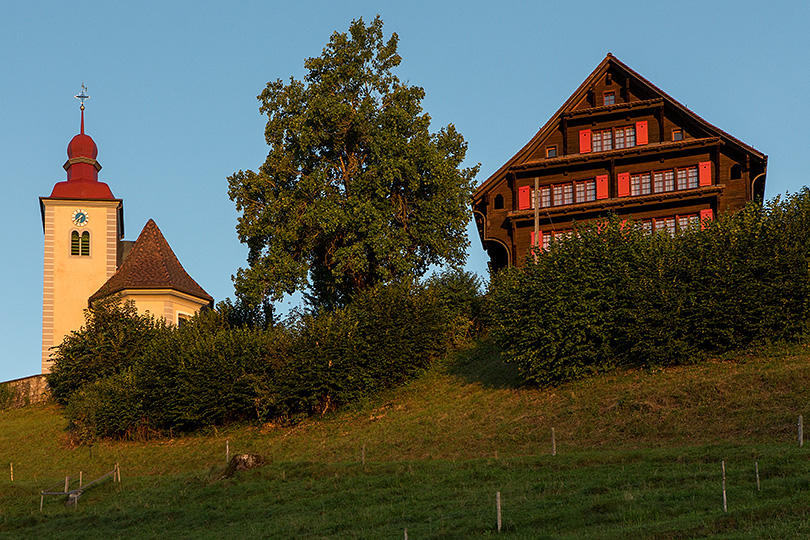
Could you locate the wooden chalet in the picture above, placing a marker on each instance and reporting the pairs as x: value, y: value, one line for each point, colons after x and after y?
x: 618, y: 144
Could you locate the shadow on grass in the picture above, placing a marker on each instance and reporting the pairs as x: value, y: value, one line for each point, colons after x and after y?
x: 482, y: 363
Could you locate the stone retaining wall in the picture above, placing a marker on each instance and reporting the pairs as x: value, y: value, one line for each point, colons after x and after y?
x: 22, y: 392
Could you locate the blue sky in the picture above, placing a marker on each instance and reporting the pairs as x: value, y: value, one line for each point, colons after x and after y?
x: 173, y: 106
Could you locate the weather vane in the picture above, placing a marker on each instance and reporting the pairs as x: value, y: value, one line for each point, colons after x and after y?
x: 83, y: 95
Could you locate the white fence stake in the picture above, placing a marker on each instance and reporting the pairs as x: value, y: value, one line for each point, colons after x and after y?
x: 227, y: 451
x: 498, y: 508
x: 725, y: 502
x: 553, y: 443
x: 67, y: 483
x: 406, y: 533
x: 80, y: 479
x: 11, y: 466
x: 756, y: 468
x: 801, y: 432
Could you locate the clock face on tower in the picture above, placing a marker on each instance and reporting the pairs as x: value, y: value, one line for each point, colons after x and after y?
x: 80, y: 218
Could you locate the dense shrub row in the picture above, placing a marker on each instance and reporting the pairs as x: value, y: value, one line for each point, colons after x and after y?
x: 616, y: 295
x: 125, y: 373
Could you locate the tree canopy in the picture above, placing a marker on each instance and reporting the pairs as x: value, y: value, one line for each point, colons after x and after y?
x: 355, y: 189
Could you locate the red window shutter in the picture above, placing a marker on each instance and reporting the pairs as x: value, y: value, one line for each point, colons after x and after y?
x: 641, y: 132
x: 705, y: 173
x: 706, y: 215
x: 624, y: 223
x: 537, y: 241
x: 602, y: 186
x: 624, y: 184
x: 524, y: 197
x: 584, y: 141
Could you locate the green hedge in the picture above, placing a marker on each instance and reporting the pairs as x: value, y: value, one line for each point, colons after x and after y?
x: 111, y: 341
x: 210, y: 371
x: 616, y: 295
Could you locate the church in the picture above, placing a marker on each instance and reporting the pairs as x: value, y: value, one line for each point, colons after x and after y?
x: 86, y: 257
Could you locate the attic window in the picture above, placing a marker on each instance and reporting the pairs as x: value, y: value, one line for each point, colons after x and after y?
x: 498, y: 202
x: 609, y: 98
x: 677, y: 134
x: 551, y: 151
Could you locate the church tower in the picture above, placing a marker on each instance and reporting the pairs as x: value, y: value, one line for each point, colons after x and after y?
x: 83, y: 225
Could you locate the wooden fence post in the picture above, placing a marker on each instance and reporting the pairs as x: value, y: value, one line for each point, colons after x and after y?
x: 67, y: 483
x: 756, y: 469
x: 498, y: 508
x: 553, y: 443
x: 801, y: 432
x: 725, y: 503
x: 227, y: 451
x: 11, y: 466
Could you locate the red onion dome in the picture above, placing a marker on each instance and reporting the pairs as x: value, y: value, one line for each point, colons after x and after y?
x: 82, y: 146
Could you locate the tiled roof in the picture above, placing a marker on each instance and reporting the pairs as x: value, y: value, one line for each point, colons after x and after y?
x: 151, y: 265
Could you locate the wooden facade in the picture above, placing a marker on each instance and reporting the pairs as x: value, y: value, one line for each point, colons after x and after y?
x: 618, y: 144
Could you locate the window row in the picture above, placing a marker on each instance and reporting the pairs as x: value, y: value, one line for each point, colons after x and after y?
x: 680, y: 179
x: 602, y: 140
x: 669, y: 224
x: 564, y: 194
x: 80, y: 245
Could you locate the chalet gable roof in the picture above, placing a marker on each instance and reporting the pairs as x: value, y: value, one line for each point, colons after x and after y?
x: 151, y: 265
x: 570, y: 109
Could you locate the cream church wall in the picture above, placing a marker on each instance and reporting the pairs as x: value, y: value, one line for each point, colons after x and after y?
x: 69, y: 280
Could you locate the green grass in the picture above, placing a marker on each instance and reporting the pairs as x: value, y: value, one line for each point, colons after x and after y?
x: 639, y: 456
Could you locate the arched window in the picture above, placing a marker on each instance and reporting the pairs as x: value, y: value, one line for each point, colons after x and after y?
x: 499, y: 202
x: 80, y: 244
x: 736, y: 172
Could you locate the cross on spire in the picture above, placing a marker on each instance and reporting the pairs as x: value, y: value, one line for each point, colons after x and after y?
x: 83, y: 95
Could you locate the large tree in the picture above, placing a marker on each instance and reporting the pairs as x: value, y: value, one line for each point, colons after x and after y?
x: 355, y: 190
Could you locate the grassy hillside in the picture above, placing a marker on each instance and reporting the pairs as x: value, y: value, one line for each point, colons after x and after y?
x: 638, y: 455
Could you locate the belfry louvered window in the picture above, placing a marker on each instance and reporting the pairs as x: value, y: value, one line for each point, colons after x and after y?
x: 80, y: 244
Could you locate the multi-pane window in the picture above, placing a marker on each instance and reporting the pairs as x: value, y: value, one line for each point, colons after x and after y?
x: 570, y: 193
x: 80, y: 245
x: 640, y: 184
x: 545, y: 196
x: 687, y: 178
x: 658, y: 181
x: 609, y: 98
x: 675, y: 180
x: 672, y: 224
x: 669, y: 180
x: 602, y: 140
x: 687, y: 222
x: 608, y: 139
x: 665, y: 224
x: 624, y: 137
